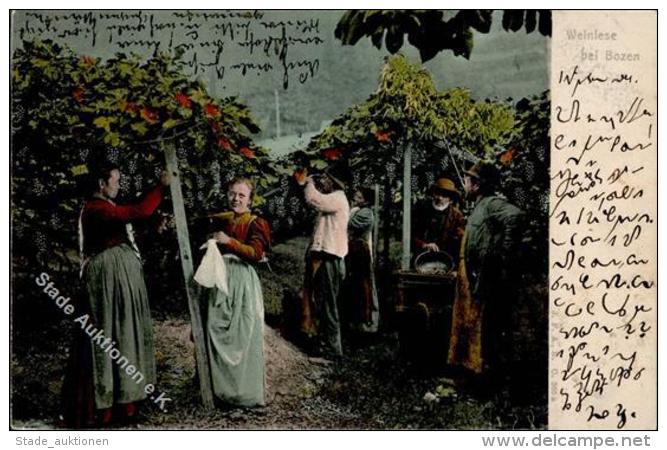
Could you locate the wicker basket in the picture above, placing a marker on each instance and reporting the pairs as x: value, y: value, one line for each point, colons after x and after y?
x: 434, y: 262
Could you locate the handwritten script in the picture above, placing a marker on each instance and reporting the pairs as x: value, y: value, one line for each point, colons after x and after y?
x: 603, y: 226
x: 215, y: 42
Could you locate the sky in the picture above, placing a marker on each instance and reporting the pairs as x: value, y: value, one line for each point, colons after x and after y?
x: 239, y: 54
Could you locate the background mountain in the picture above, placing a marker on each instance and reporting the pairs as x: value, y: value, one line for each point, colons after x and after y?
x: 503, y: 65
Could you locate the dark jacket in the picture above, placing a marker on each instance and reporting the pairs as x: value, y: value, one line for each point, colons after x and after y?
x: 445, y: 228
x: 492, y: 234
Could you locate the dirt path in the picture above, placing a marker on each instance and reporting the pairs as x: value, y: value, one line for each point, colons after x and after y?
x: 373, y: 387
x: 293, y: 384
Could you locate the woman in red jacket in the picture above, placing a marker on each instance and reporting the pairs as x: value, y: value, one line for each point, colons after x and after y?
x: 235, y: 319
x: 113, y: 359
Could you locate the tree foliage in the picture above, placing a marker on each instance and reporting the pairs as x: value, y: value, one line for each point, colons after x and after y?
x: 407, y: 109
x: 443, y: 128
x: 69, y: 110
x: 430, y: 32
x: 525, y: 176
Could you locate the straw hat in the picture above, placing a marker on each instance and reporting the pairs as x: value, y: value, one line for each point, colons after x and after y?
x: 445, y: 185
x: 485, y: 172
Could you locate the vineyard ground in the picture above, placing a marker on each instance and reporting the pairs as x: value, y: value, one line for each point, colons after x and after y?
x: 372, y: 387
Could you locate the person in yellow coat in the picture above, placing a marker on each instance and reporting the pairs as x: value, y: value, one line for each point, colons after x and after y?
x: 485, y: 281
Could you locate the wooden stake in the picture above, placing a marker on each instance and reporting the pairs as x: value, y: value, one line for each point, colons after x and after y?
x: 376, y: 223
x: 386, y: 225
x: 186, y: 264
x: 407, y: 206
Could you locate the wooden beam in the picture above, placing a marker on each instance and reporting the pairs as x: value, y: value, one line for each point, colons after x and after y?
x: 386, y: 224
x: 407, y: 206
x: 186, y: 263
x: 376, y: 222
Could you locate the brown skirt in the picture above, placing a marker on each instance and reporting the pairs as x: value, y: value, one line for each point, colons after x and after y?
x: 360, y: 299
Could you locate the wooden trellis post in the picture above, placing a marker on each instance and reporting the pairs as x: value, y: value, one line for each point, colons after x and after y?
x: 407, y: 206
x: 376, y: 223
x: 186, y: 263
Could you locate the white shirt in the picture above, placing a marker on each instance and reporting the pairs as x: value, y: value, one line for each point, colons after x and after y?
x: 330, y: 233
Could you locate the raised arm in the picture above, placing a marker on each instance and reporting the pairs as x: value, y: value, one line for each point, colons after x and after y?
x: 326, y: 203
x: 127, y: 213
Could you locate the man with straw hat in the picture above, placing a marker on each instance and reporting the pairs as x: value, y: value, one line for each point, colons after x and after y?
x: 439, y: 225
x: 325, y: 265
x: 485, y: 284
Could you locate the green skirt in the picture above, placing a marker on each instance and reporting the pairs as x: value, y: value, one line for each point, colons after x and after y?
x: 235, y: 334
x: 118, y: 301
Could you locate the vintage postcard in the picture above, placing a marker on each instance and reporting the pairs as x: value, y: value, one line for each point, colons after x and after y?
x: 333, y: 220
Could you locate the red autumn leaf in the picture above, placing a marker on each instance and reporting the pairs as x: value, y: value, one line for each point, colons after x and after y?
x: 129, y: 107
x: 210, y: 110
x: 332, y: 154
x: 149, y: 115
x: 183, y: 100
x: 224, y: 143
x: 78, y: 94
x: 300, y: 175
x: 248, y: 153
x: 507, y: 156
x: 88, y: 60
x: 383, y: 136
